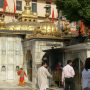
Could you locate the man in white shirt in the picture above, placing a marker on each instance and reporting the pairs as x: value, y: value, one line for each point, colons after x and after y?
x: 68, y: 76
x: 43, y: 75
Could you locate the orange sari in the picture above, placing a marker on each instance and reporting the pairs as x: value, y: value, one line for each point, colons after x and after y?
x: 22, y: 75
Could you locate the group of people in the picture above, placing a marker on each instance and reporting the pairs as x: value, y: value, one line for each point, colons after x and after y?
x: 68, y: 74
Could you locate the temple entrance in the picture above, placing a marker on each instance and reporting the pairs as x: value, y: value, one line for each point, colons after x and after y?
x: 29, y: 64
x: 55, y: 60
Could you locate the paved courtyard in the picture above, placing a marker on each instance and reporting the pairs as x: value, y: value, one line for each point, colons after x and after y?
x: 14, y: 86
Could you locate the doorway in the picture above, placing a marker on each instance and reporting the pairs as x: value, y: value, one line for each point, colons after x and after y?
x: 29, y: 64
x: 55, y: 61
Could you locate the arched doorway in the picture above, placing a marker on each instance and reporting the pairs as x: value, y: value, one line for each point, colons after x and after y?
x: 55, y: 61
x: 29, y: 64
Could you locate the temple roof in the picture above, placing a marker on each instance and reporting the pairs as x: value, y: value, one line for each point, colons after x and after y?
x: 27, y: 21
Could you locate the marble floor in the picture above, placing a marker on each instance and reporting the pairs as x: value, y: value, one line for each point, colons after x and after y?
x: 14, y: 86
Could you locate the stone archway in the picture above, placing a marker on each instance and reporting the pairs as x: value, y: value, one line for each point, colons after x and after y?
x: 29, y: 64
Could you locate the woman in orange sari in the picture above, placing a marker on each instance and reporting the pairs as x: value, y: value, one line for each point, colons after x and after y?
x: 22, y: 75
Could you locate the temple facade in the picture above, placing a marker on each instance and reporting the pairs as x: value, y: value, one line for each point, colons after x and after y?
x: 25, y: 41
x: 37, y: 7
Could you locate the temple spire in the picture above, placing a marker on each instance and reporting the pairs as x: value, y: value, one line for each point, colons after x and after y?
x: 27, y: 14
x: 2, y: 23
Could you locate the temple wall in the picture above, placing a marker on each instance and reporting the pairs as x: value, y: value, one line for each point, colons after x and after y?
x: 81, y: 51
x: 38, y: 54
x: 36, y: 47
x: 88, y: 49
x: 71, y: 55
x: 88, y: 53
x: 11, y: 55
x: 78, y: 53
x: 40, y: 10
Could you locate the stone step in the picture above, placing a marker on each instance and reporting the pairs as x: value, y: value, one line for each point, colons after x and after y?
x: 14, y: 86
x: 22, y: 88
x: 15, y: 89
x: 56, y: 88
x: 28, y: 86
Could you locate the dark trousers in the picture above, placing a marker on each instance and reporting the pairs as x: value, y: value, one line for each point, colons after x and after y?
x: 69, y: 84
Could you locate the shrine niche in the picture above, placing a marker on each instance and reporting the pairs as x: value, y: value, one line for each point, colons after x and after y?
x: 29, y: 64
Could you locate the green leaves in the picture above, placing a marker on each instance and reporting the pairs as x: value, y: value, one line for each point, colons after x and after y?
x: 75, y: 10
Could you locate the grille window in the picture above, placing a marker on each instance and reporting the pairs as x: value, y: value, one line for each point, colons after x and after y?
x: 1, y: 3
x: 19, y: 5
x: 34, y: 7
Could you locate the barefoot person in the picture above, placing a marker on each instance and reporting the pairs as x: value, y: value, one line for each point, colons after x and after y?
x: 22, y: 75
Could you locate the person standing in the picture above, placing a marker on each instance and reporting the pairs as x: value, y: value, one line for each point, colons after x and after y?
x: 43, y: 75
x: 22, y: 75
x: 86, y: 75
x: 68, y: 74
x: 57, y: 74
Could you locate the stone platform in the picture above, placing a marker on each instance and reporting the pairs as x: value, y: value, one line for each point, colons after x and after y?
x: 55, y: 88
x: 14, y: 86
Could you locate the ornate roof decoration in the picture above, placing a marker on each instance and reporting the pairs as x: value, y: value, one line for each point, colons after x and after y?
x: 27, y: 21
x: 47, y: 27
x: 2, y: 23
x: 27, y: 14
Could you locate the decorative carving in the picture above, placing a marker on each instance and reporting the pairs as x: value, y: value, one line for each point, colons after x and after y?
x: 3, y: 68
x: 17, y: 68
x: 27, y: 21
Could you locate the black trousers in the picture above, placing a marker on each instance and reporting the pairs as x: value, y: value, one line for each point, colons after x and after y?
x: 69, y: 84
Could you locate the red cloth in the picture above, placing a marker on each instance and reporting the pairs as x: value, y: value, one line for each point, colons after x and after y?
x: 82, y: 27
x: 58, y: 66
x: 21, y: 79
x: 50, y: 1
x: 22, y: 74
x: 53, y: 15
x: 14, y: 6
x: 5, y: 5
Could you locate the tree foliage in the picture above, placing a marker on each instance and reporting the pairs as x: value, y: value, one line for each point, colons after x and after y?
x: 75, y: 10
